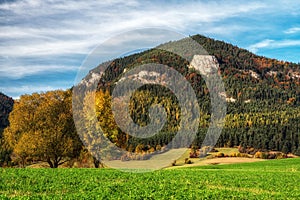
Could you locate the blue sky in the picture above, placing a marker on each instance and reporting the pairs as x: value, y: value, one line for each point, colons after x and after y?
x: 44, y: 42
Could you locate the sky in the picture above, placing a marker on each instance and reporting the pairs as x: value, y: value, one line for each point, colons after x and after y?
x: 43, y: 43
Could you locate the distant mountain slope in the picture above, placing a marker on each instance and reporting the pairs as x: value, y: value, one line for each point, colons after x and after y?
x: 263, y: 95
x: 249, y: 79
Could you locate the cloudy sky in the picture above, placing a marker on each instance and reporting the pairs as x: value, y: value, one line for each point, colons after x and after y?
x: 44, y: 42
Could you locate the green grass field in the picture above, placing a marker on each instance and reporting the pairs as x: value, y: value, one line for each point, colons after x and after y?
x: 276, y: 179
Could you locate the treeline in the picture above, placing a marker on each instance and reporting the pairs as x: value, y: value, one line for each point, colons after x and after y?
x: 268, y: 130
x: 6, y: 106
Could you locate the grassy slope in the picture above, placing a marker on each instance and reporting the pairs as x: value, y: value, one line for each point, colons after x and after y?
x: 264, y: 180
x: 210, y: 158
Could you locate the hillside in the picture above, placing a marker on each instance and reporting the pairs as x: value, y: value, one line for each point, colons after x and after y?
x: 262, y: 94
x: 247, y: 77
x: 255, y: 78
x: 6, y: 106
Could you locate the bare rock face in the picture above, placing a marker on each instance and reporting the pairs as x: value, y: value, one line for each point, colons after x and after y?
x: 205, y: 64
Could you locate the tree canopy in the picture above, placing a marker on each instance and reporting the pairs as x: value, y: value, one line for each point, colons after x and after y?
x: 42, y: 128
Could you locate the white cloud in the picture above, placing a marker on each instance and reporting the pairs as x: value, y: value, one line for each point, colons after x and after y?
x: 16, y: 91
x: 14, y: 72
x: 27, y: 89
x: 263, y: 44
x: 39, y: 48
x: 40, y: 8
x: 271, y: 44
x: 292, y: 30
x: 83, y: 25
x: 52, y: 29
x: 38, y: 29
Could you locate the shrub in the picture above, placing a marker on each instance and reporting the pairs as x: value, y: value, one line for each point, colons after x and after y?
x: 189, y: 162
x: 244, y: 155
x: 185, y: 160
x: 151, y: 150
x: 233, y: 155
x: 258, y: 154
x: 193, y: 155
x: 241, y: 149
x: 265, y: 155
x: 139, y: 148
x: 248, y: 150
x: 251, y: 151
x: 220, y: 155
x: 281, y: 156
x: 174, y: 163
x: 158, y: 147
x: 271, y: 156
x: 164, y: 148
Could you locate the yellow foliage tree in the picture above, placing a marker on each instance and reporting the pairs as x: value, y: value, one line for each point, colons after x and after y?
x: 42, y: 127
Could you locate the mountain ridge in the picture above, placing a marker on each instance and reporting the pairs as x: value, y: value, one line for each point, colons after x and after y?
x: 263, y: 95
x: 245, y: 66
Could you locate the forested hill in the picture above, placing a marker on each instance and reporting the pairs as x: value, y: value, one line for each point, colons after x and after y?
x: 6, y: 106
x: 262, y: 94
x: 251, y: 78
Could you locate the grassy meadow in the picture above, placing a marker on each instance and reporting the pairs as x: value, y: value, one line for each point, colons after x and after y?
x: 271, y: 179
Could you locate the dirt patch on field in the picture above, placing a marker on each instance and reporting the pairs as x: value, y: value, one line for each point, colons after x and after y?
x: 215, y: 161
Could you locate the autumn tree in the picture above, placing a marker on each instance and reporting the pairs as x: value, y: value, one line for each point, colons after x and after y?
x: 105, y: 116
x: 99, y: 131
x: 42, y: 127
x: 88, y: 128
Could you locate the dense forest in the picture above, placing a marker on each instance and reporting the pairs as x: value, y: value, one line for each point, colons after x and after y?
x: 262, y: 95
x: 6, y: 106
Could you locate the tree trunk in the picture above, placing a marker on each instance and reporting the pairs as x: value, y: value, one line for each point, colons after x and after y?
x: 23, y: 161
x: 55, y: 165
x: 50, y: 163
x: 97, y: 163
